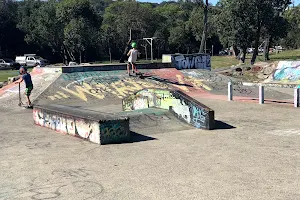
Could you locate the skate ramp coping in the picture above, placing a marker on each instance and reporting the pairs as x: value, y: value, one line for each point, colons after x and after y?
x: 181, y: 105
x: 104, y: 67
x: 98, y: 128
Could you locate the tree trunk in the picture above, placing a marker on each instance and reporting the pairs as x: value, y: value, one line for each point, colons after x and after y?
x: 80, y: 57
x: 266, y: 48
x: 235, y: 51
x: 146, y: 52
x: 204, y: 34
x: 64, y: 54
x: 243, y: 58
x: 109, y: 51
x: 255, y: 53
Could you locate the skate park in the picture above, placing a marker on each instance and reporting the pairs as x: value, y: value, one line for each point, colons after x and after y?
x: 94, y: 102
x: 247, y: 141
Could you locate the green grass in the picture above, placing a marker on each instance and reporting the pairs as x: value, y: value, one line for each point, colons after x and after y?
x: 285, y: 55
x: 227, y: 61
x: 223, y: 61
x: 4, y: 74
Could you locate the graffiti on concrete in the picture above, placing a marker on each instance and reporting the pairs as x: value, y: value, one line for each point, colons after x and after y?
x: 111, y: 84
x: 112, y: 131
x: 97, y: 131
x: 287, y: 71
x: 199, y: 116
x: 69, y: 125
x: 191, y: 61
x: 183, y: 106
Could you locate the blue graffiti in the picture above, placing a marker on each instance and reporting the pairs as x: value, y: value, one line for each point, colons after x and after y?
x: 198, y: 116
x: 287, y: 70
x: 191, y: 61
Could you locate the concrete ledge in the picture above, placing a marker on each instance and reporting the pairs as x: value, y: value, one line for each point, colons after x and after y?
x: 111, y: 67
x: 86, y: 124
x: 181, y: 105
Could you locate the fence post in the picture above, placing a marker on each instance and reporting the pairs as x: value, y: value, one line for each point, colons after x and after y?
x: 261, y: 94
x: 296, y: 97
x: 230, y: 91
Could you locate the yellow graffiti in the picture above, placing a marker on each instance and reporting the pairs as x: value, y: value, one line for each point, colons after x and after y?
x: 181, y: 81
x: 198, y: 83
x: 52, y: 97
x: 80, y: 94
x: 123, y: 88
x: 63, y: 94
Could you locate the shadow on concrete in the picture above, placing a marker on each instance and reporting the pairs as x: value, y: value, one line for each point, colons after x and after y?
x: 274, y: 101
x: 163, y: 80
x: 222, y: 125
x: 140, y: 138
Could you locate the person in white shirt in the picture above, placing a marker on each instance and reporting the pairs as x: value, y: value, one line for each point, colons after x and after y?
x: 132, y: 57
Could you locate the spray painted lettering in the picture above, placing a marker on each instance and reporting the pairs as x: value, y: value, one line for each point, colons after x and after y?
x: 178, y: 103
x: 191, y: 61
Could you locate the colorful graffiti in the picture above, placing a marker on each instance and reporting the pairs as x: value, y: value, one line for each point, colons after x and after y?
x: 178, y: 103
x: 113, y: 84
x: 287, y: 71
x: 86, y: 129
x: 91, y: 130
x: 191, y: 61
x: 113, y: 132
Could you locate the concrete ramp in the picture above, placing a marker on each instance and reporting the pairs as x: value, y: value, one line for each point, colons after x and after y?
x: 74, y: 97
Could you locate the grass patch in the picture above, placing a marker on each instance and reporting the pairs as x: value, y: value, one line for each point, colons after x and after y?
x: 285, y: 55
x: 4, y: 74
x: 223, y: 61
x: 227, y: 61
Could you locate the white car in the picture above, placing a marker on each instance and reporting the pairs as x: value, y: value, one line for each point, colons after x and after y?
x: 31, y: 60
x: 9, y: 64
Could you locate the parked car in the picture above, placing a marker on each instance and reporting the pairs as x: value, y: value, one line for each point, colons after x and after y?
x: 31, y: 60
x: 9, y: 64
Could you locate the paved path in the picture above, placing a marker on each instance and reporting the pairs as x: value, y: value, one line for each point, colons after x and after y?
x: 258, y: 159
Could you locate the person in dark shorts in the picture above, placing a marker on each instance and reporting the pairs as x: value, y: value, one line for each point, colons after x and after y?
x: 28, y: 84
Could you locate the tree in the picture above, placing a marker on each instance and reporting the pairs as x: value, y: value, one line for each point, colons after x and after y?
x: 292, y: 40
x: 48, y: 30
x: 243, y: 21
x: 81, y: 25
x: 264, y: 13
x: 11, y: 38
x: 174, y: 26
x: 204, y: 35
x: 120, y: 17
x: 235, y: 24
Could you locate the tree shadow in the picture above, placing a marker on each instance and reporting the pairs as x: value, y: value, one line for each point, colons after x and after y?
x: 163, y: 80
x: 222, y: 125
x: 274, y: 101
x: 136, y: 137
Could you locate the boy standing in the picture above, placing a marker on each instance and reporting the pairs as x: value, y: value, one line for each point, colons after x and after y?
x: 28, y: 83
x: 132, y: 54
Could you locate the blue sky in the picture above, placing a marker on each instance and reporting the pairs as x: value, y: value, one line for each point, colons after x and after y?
x: 210, y: 1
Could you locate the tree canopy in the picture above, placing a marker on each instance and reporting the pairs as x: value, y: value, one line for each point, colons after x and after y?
x: 90, y: 30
